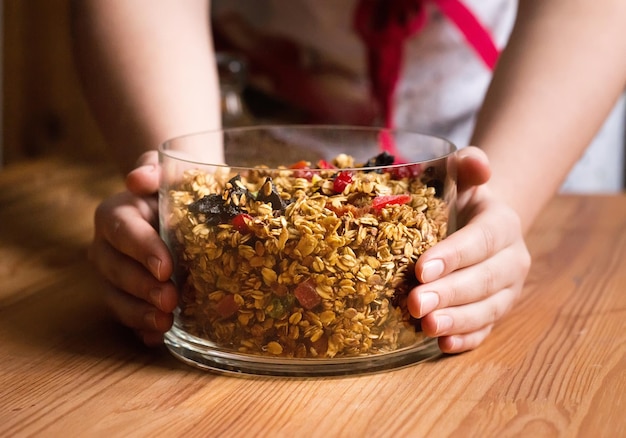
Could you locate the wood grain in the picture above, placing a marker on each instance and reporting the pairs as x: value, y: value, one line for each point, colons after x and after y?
x: 556, y: 366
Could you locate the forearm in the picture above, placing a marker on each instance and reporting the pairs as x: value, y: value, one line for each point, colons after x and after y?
x: 148, y: 70
x: 561, y: 73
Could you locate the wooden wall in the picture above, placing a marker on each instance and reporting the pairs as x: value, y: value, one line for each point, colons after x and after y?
x: 43, y: 109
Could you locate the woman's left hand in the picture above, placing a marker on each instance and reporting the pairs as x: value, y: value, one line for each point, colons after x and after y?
x: 470, y: 280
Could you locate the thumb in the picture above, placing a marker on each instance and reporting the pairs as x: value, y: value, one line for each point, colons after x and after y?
x: 144, y: 178
x: 473, y: 168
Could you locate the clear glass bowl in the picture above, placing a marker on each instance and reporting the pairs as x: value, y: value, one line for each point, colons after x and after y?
x: 295, y: 258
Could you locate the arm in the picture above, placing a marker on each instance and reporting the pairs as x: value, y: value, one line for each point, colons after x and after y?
x: 148, y: 69
x: 561, y: 73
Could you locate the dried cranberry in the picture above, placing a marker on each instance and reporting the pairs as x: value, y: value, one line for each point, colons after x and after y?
x: 401, y: 172
x: 341, y: 181
x: 240, y: 223
x: 302, y: 169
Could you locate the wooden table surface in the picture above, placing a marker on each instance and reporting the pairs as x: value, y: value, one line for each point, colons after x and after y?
x: 555, y: 366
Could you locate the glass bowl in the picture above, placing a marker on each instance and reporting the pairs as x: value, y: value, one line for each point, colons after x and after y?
x: 294, y: 246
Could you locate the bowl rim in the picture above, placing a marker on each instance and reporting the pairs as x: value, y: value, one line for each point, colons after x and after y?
x: 164, y: 152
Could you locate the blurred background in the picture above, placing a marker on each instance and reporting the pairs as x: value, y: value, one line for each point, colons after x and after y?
x: 43, y: 111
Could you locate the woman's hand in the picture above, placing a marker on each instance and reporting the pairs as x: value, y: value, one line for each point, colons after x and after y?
x: 129, y: 252
x: 472, y: 278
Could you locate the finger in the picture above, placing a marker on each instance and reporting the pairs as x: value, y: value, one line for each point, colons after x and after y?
x: 471, y: 284
x: 464, y: 342
x: 135, y: 313
x: 128, y: 275
x: 469, y: 317
x: 472, y: 168
x: 144, y: 179
x: 478, y: 240
x: 127, y: 229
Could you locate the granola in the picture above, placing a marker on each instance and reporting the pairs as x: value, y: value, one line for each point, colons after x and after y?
x: 301, y: 262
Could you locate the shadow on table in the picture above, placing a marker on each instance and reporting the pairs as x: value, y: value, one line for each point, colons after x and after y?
x: 64, y: 318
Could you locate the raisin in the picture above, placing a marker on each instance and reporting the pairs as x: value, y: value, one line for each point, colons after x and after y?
x: 227, y: 306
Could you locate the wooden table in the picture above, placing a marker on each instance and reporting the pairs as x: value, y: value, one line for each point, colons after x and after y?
x: 556, y: 366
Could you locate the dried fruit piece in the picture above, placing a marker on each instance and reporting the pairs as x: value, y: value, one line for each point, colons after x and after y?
x: 214, y: 208
x: 302, y: 170
x: 382, y: 159
x: 410, y: 171
x: 323, y: 164
x: 227, y: 306
x: 269, y: 194
x: 307, y: 295
x: 380, y: 202
x: 240, y: 223
x: 280, y: 307
x: 341, y: 181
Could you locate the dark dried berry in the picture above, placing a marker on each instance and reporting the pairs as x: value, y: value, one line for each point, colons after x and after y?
x: 269, y: 194
x: 382, y: 159
x: 210, y: 204
x: 215, y: 210
x: 438, y: 185
x: 236, y: 187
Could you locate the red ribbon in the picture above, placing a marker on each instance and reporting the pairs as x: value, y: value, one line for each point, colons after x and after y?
x: 476, y: 34
x: 385, y: 25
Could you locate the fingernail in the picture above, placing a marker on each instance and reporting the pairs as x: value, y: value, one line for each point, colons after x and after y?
x: 155, y: 297
x: 428, y: 302
x: 455, y: 343
x: 432, y: 270
x: 155, y: 266
x: 444, y: 323
x: 148, y: 167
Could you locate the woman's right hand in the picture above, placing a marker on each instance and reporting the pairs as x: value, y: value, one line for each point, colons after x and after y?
x: 132, y: 257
